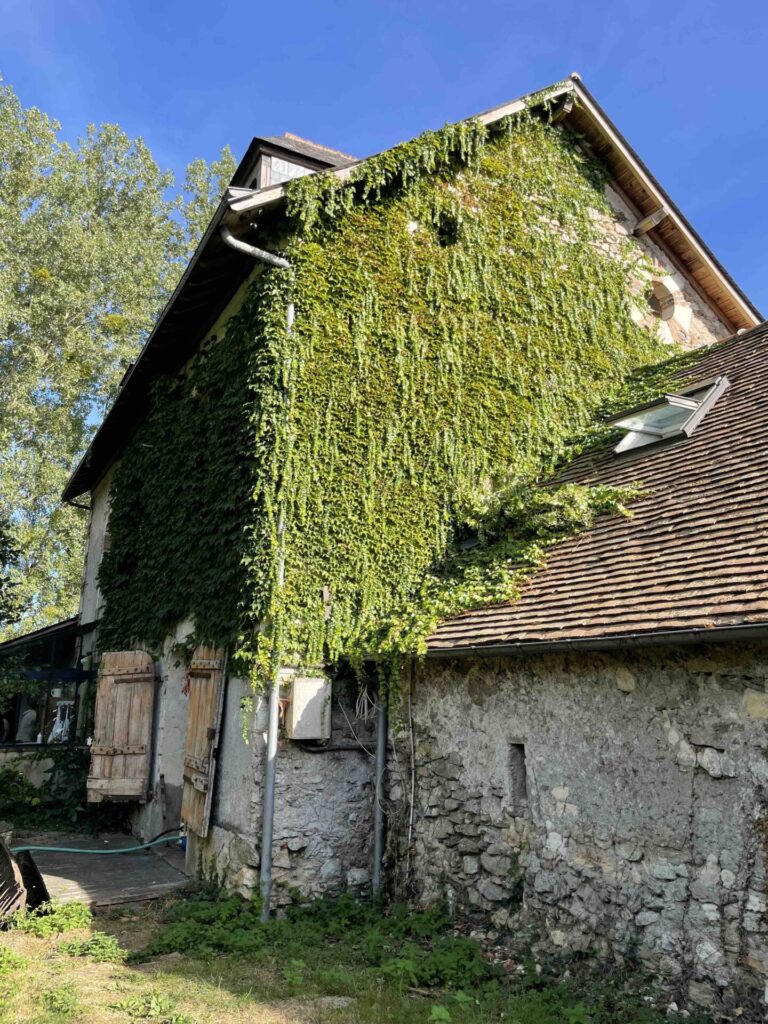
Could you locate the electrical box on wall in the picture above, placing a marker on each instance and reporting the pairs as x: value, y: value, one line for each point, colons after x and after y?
x: 308, y: 715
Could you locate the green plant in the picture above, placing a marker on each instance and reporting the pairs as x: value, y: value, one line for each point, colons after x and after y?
x: 99, y: 947
x: 438, y: 1012
x: 402, y: 945
x: 61, y: 799
x: 151, y: 1007
x: 18, y: 797
x: 52, y: 919
x: 458, y: 326
x: 293, y: 972
x: 60, y: 1001
x: 10, y: 961
x: 577, y: 1014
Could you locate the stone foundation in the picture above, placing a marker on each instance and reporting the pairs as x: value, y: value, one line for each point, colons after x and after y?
x: 637, y: 822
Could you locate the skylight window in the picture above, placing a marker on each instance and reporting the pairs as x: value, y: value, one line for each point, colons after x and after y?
x: 670, y: 416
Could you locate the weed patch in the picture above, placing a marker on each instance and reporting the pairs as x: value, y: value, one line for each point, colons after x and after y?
x: 353, y: 963
x: 52, y: 919
x: 406, y: 948
x: 10, y: 961
x: 152, y: 1007
x: 99, y: 947
x: 369, y: 952
x: 60, y: 1002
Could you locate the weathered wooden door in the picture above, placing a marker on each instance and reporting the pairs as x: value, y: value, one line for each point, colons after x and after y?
x: 206, y: 699
x: 122, y: 735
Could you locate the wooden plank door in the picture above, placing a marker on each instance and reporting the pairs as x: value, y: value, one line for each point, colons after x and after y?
x: 206, y: 699
x: 122, y: 735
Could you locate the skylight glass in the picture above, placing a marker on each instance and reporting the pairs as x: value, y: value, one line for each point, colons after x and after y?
x: 667, y: 417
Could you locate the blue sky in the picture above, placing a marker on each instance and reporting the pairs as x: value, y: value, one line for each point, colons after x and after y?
x: 684, y: 81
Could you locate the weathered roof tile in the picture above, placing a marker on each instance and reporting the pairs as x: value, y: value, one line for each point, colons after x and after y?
x: 693, y: 555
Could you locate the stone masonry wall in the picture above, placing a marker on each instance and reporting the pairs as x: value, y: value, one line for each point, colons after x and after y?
x: 615, y: 799
x: 689, y: 321
x: 323, y: 826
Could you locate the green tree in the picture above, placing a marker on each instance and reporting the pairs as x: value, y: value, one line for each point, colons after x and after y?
x: 10, y: 604
x: 204, y: 185
x: 92, y: 239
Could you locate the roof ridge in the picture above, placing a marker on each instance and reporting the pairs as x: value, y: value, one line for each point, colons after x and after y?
x: 293, y: 137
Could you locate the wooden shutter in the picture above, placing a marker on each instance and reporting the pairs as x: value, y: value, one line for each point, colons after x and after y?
x: 122, y: 734
x: 206, y: 699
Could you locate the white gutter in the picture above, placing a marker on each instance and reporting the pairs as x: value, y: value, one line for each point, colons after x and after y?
x: 252, y: 250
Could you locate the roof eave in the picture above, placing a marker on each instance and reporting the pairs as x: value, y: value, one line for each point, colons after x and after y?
x: 623, y: 641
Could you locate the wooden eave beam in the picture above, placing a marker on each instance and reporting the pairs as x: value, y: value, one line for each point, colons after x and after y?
x: 627, y: 167
x: 651, y: 221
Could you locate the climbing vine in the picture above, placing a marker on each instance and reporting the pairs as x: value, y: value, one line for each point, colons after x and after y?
x: 336, y: 489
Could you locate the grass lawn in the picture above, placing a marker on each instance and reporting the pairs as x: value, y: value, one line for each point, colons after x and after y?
x: 205, y: 959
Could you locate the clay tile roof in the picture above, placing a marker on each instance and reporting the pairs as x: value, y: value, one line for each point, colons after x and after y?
x: 305, y: 147
x: 693, y: 556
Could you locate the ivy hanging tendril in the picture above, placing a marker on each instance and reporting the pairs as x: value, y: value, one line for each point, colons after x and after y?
x: 337, y: 491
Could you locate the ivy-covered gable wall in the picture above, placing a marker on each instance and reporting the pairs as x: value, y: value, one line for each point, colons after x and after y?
x: 458, y: 320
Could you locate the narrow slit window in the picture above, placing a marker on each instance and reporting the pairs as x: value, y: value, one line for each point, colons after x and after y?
x: 518, y: 784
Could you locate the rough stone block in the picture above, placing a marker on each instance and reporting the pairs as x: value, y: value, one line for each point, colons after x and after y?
x: 492, y: 891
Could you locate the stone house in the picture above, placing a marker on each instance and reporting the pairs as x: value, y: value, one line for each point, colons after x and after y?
x: 590, y: 756
x: 616, y: 718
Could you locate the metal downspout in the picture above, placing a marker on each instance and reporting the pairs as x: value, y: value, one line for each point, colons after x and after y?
x: 378, y: 805
x: 267, y: 827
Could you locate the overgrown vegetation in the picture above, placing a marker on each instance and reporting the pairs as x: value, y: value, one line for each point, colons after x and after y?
x: 152, y: 1007
x: 60, y: 802
x: 457, y: 325
x: 210, y: 958
x: 408, y: 947
x: 52, y: 919
x: 99, y: 947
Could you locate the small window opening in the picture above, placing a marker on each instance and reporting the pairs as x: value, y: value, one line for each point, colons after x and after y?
x: 518, y: 784
x: 447, y: 230
x: 670, y: 416
x: 661, y: 301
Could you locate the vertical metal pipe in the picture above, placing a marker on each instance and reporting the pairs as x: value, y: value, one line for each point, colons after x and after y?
x: 379, y: 790
x: 267, y: 827
x: 269, y: 799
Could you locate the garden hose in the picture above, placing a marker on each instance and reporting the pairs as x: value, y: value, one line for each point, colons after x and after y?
x: 73, y: 849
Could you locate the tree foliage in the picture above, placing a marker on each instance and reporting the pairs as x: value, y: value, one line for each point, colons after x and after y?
x: 92, y: 239
x: 10, y: 602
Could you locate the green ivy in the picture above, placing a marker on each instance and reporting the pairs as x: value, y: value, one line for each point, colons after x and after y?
x: 458, y: 323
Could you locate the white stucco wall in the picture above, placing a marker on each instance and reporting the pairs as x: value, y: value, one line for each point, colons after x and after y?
x: 90, y: 596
